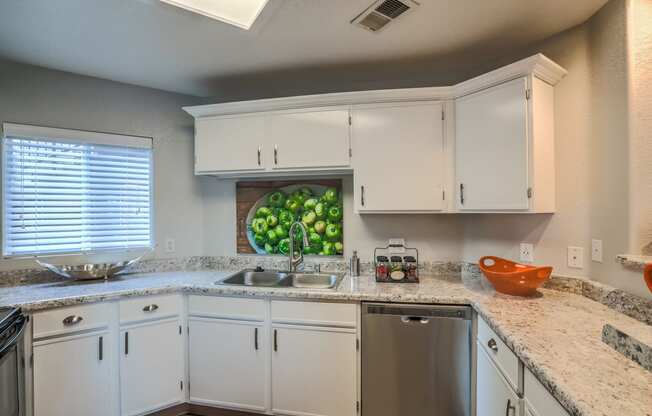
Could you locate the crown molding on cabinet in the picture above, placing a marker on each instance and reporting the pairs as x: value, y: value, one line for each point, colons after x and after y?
x: 538, y: 65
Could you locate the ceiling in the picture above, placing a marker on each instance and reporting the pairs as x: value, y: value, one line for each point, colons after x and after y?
x: 153, y: 44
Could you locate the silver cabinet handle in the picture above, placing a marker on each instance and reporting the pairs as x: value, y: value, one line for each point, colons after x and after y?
x: 126, y: 343
x: 276, y: 154
x: 275, y: 340
x: 72, y: 320
x: 259, y: 155
x: 101, y: 348
x: 362, y: 195
x: 150, y: 308
x: 462, y: 193
x: 256, y: 339
x: 509, y: 407
x: 492, y: 345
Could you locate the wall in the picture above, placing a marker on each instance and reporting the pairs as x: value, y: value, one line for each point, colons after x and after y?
x: 34, y: 95
x: 639, y: 37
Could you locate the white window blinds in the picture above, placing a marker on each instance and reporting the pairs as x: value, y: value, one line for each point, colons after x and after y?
x: 67, y: 191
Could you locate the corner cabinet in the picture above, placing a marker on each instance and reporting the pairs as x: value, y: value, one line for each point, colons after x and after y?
x: 399, y: 157
x: 504, y: 148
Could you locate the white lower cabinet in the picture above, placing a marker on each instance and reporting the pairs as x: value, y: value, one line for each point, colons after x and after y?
x: 314, y: 371
x: 495, y: 396
x: 151, y: 366
x: 73, y: 375
x: 227, y: 363
x: 537, y: 400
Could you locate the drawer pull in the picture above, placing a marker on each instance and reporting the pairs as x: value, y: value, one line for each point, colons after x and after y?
x: 492, y: 345
x: 150, y: 308
x: 72, y: 320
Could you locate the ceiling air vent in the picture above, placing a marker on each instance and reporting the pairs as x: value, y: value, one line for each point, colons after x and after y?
x: 382, y: 12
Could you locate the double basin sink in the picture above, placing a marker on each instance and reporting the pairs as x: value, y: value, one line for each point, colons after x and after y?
x: 279, y: 279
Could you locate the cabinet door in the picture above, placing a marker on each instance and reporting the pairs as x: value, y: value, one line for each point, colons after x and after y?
x: 398, y: 157
x: 229, y: 144
x: 151, y: 366
x: 491, y: 148
x: 314, y: 371
x: 310, y: 139
x: 227, y: 363
x: 494, y: 396
x: 74, y: 376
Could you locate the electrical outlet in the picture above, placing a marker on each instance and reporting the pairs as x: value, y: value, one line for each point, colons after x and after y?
x: 169, y: 245
x: 527, y: 252
x: 575, y: 257
x: 596, y: 250
x: 399, y: 242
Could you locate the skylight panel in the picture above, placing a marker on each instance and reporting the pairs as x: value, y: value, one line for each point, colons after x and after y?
x: 240, y: 13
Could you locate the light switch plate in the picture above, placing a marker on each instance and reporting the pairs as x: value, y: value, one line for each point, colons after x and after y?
x: 575, y: 257
x: 399, y: 242
x: 596, y: 250
x: 527, y: 252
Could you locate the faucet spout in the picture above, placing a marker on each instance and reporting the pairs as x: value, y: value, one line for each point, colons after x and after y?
x: 296, y: 261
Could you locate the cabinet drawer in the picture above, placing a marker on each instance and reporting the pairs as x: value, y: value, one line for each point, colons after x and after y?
x: 314, y: 313
x: 227, y: 308
x: 72, y: 319
x: 501, y: 355
x: 149, y: 307
x: 538, y: 401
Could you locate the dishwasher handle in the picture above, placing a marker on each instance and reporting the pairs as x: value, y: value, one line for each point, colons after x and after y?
x: 418, y: 312
x: 414, y: 320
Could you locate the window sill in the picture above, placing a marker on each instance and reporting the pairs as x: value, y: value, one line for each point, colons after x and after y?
x: 633, y: 261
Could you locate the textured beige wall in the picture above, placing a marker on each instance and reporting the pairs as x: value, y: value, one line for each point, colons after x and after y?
x: 34, y: 95
x: 640, y: 89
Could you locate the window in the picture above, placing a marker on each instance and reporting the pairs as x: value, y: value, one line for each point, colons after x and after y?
x: 69, y: 191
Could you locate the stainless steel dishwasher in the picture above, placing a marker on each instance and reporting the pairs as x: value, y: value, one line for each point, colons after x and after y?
x: 416, y: 360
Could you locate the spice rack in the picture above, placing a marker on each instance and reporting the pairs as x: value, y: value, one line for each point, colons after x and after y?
x: 390, y: 267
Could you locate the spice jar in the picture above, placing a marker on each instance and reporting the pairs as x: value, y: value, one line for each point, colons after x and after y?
x: 396, y: 268
x: 382, y: 267
x: 410, y: 267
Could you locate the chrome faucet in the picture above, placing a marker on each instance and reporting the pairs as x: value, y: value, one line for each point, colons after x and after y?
x: 296, y: 261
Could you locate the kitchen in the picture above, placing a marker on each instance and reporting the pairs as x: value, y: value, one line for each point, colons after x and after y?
x: 270, y: 207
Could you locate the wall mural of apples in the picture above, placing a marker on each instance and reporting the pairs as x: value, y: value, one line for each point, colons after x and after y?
x: 266, y: 210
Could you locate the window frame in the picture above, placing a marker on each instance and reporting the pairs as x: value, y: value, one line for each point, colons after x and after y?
x: 63, y: 135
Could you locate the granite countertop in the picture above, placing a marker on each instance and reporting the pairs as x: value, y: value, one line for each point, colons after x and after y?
x: 556, y: 334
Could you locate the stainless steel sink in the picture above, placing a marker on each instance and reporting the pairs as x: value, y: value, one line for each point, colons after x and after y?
x: 313, y: 280
x: 283, y: 279
x: 255, y: 278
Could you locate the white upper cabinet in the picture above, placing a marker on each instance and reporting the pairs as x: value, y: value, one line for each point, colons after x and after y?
x: 398, y: 157
x: 310, y: 139
x: 491, y: 149
x: 504, y: 148
x: 495, y: 154
x: 230, y: 144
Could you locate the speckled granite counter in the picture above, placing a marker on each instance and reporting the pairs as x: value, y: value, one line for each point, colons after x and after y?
x: 557, y: 334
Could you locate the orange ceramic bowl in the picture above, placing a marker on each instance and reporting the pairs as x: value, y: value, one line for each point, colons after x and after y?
x: 647, y: 275
x: 513, y: 278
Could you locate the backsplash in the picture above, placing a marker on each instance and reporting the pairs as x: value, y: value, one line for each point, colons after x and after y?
x: 619, y: 300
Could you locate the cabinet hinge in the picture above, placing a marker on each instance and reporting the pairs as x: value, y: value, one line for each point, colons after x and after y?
x: 357, y: 407
x: 529, y: 192
x: 528, y: 93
